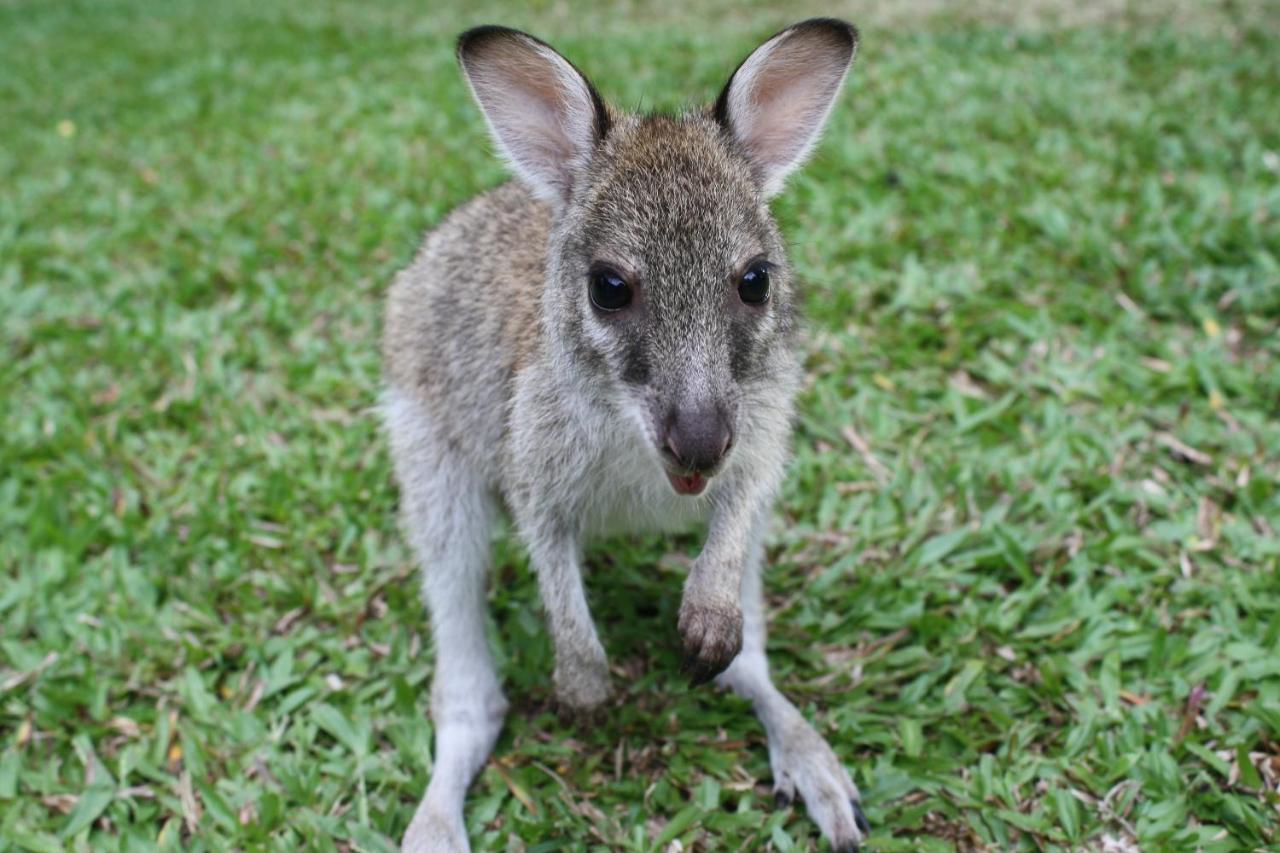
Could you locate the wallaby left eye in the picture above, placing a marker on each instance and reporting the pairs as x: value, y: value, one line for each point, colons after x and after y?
x: 753, y: 287
x: 608, y: 290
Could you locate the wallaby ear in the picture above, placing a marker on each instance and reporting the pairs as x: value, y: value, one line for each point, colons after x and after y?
x: 544, y: 115
x: 777, y: 101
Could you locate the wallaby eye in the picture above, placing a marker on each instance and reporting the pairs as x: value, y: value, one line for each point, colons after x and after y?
x: 753, y: 287
x: 608, y: 290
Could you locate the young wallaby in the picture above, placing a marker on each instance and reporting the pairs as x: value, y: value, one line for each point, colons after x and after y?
x: 608, y: 345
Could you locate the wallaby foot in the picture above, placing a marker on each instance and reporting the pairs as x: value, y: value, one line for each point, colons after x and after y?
x: 465, y: 735
x: 804, y: 764
x: 582, y: 683
x: 433, y: 832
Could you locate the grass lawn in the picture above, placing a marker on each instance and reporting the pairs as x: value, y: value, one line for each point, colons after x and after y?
x: 1026, y: 570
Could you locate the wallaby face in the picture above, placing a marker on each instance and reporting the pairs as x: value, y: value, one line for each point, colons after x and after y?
x: 672, y: 288
x: 612, y: 338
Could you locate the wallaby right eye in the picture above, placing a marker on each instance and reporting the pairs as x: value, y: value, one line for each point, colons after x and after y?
x: 608, y: 290
x: 753, y: 287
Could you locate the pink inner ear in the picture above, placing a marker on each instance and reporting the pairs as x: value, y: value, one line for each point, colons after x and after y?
x: 526, y: 103
x: 539, y: 109
x: 780, y: 98
x: 790, y: 106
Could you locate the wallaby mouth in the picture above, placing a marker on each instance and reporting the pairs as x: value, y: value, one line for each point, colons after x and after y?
x: 688, y: 484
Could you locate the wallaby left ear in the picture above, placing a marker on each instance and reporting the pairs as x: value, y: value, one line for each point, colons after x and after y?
x: 777, y: 101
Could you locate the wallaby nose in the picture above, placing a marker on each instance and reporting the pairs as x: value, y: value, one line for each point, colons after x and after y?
x: 698, y: 439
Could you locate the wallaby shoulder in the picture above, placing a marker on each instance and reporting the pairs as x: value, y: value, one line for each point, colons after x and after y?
x: 465, y: 316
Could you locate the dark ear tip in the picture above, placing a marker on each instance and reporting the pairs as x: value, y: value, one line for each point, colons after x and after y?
x: 478, y: 37
x: 837, y: 28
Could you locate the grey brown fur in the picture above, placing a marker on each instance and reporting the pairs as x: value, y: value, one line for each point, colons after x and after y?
x: 509, y: 389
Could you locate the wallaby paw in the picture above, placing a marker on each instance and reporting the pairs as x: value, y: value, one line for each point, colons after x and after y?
x: 712, y: 639
x: 431, y: 832
x: 582, y: 687
x: 804, y: 765
x: 586, y: 719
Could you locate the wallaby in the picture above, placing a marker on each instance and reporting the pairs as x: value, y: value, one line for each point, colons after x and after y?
x: 608, y: 345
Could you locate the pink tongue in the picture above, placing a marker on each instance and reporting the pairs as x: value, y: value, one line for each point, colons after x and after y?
x: 690, y: 485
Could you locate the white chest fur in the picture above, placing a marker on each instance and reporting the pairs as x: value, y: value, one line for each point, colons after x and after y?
x: 631, y: 494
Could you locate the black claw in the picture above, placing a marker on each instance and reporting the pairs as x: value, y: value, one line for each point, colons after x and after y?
x: 850, y: 847
x: 781, y: 800
x: 702, y: 675
x: 693, y: 670
x: 699, y: 672
x: 859, y: 818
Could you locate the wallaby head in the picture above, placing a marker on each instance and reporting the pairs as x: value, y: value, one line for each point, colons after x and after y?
x: 667, y: 287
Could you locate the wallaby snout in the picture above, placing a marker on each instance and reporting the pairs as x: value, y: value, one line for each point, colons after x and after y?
x: 697, y: 438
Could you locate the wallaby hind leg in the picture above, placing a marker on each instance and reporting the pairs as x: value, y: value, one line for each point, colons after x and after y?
x: 802, y: 761
x: 448, y: 517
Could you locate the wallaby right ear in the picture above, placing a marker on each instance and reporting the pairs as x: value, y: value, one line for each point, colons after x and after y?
x: 544, y: 115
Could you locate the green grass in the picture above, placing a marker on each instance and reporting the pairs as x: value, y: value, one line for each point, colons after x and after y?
x: 1041, y: 610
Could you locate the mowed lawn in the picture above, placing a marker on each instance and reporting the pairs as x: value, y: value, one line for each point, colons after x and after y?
x: 1026, y: 570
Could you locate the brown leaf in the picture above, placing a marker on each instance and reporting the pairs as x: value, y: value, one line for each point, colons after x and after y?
x: 285, y: 622
x: 1208, y: 518
x: 107, y: 395
x: 125, y: 726
x: 61, y: 803
x: 1194, y: 700
x: 1182, y: 451
x: 191, y: 811
x: 874, y: 465
x: 516, y: 789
